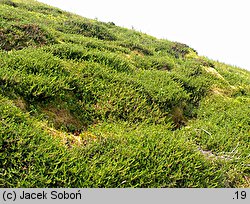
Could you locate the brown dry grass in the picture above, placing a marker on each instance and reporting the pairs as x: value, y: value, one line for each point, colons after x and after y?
x: 61, y: 117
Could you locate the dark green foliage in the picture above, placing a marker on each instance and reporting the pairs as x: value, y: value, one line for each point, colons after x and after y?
x: 89, y: 104
x: 89, y: 29
x: 20, y: 36
x: 42, y: 9
x: 8, y: 2
x: 76, y: 52
x: 154, y: 62
x: 136, y: 47
x: 179, y: 49
x: 205, y: 62
x: 93, y: 43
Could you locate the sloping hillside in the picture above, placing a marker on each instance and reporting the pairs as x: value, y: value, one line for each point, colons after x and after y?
x: 90, y: 104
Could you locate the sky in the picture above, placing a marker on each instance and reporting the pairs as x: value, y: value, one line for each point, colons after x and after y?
x: 217, y: 29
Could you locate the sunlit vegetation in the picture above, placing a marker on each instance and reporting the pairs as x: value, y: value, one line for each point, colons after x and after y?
x: 89, y: 104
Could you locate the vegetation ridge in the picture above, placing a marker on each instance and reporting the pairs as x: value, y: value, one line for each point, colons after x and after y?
x: 85, y: 103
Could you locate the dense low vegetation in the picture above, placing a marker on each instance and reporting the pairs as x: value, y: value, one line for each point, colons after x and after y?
x: 89, y: 104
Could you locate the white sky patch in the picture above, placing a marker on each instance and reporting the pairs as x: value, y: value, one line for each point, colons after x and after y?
x: 218, y: 29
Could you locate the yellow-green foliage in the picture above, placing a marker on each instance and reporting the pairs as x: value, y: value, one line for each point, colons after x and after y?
x: 89, y: 104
